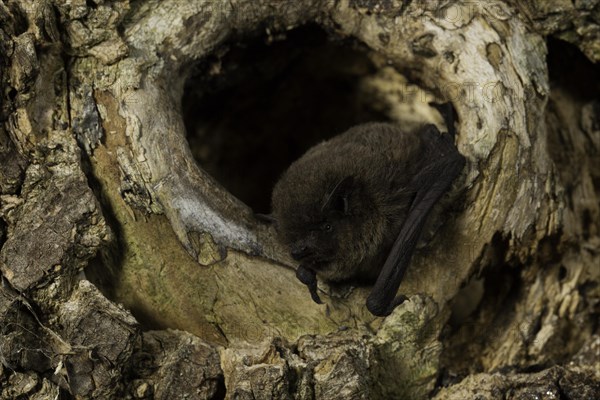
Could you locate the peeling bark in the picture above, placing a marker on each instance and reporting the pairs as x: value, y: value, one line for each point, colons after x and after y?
x: 128, y: 271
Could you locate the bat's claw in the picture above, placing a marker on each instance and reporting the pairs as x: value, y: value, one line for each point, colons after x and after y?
x: 265, y: 218
x: 376, y: 307
x: 397, y: 301
x: 314, y: 295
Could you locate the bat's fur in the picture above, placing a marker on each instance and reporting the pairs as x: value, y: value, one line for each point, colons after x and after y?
x: 341, y: 206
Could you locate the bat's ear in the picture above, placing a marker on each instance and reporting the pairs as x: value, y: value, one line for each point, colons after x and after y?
x: 337, y: 200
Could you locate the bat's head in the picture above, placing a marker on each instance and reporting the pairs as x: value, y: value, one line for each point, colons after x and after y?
x: 313, y: 222
x: 320, y: 216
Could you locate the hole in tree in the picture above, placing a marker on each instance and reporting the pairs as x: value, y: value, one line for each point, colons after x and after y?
x: 572, y: 71
x: 251, y: 109
x: 254, y: 107
x: 562, y: 273
x: 573, y: 121
x: 12, y: 94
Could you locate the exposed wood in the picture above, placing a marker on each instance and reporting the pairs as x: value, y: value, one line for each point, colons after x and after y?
x: 126, y: 266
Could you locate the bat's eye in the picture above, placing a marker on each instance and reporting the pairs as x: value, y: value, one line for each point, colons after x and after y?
x: 327, y: 227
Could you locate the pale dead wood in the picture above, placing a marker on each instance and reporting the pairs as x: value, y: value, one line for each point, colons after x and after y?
x: 97, y: 172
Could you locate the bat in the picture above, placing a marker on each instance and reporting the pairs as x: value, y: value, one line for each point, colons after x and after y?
x: 352, y: 208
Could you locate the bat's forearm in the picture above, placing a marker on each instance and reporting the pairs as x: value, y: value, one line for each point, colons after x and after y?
x: 433, y: 182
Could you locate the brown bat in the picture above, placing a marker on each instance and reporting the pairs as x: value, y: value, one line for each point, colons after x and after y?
x: 353, y: 207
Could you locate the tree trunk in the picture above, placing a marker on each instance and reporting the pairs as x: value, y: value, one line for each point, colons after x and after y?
x: 139, y: 139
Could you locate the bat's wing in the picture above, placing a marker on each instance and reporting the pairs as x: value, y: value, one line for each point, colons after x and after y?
x: 429, y: 184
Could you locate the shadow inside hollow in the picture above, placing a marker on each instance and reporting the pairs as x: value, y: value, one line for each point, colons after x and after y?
x: 251, y: 112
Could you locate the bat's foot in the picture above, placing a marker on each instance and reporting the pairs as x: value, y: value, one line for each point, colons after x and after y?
x: 383, y: 310
x: 313, y: 294
x: 309, y: 278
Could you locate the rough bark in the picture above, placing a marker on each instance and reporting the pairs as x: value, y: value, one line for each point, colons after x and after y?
x: 129, y: 272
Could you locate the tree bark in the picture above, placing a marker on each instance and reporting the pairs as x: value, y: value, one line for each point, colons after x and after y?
x: 130, y: 270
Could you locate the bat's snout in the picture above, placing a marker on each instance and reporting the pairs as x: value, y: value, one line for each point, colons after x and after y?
x: 300, y: 252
